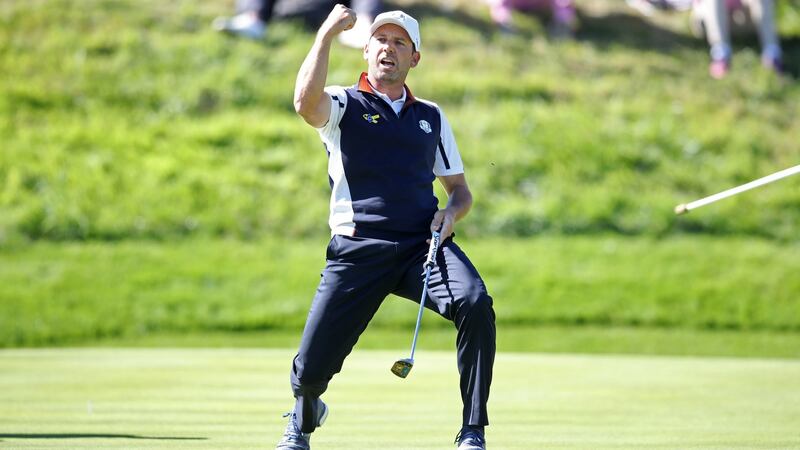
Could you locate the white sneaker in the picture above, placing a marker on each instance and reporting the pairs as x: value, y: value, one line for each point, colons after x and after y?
x: 470, y: 439
x: 293, y: 438
x: 245, y: 24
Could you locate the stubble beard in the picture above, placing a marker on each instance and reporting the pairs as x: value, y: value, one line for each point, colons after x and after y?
x: 382, y: 75
x: 388, y: 77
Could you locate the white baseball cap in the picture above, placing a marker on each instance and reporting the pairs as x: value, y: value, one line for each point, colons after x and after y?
x: 402, y: 20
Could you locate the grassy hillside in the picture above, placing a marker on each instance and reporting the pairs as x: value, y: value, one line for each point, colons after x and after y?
x: 128, y: 119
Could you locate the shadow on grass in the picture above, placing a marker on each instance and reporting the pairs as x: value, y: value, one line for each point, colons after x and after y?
x: 95, y: 435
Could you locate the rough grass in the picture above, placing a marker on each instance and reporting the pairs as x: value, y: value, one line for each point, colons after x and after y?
x: 124, y: 119
x: 58, y: 294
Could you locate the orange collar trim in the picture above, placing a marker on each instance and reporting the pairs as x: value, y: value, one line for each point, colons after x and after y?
x: 365, y: 86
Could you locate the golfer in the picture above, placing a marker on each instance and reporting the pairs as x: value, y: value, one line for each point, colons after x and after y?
x: 385, y: 148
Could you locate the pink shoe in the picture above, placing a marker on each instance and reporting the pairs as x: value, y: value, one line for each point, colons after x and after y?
x: 719, y: 68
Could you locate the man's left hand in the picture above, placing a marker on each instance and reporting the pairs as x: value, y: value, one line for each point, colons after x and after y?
x: 443, y: 221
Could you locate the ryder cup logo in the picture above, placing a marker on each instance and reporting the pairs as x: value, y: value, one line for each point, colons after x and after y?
x: 426, y: 127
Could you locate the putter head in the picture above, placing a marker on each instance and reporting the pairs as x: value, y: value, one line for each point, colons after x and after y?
x: 402, y: 367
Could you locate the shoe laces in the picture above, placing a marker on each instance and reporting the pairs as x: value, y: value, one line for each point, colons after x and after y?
x: 292, y: 432
x: 468, y: 434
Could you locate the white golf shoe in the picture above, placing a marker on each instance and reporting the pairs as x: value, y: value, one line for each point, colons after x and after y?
x: 469, y: 439
x: 293, y: 438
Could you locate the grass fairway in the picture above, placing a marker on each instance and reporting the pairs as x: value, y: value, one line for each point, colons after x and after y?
x: 233, y: 399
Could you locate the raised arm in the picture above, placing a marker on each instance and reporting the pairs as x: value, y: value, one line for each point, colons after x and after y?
x: 310, y: 100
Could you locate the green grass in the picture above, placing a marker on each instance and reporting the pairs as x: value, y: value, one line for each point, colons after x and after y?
x: 124, y: 118
x: 71, y: 293
x: 234, y: 398
x: 540, y: 339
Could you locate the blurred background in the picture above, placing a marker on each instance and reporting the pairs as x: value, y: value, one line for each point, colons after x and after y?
x: 158, y: 189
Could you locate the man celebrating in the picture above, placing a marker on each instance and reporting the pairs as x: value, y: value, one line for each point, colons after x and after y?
x: 385, y: 148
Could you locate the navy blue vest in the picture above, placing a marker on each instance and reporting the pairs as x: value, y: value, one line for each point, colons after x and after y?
x: 388, y: 162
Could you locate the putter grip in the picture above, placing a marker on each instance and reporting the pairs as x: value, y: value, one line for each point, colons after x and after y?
x: 435, y: 241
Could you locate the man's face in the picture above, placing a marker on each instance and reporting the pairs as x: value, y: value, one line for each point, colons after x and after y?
x: 390, y: 54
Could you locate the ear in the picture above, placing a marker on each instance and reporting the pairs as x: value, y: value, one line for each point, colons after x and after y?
x: 415, y: 59
x: 366, y: 51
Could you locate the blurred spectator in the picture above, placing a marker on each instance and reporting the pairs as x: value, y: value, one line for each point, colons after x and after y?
x: 562, y: 13
x: 250, y: 20
x: 648, y: 7
x: 715, y: 17
x: 252, y: 17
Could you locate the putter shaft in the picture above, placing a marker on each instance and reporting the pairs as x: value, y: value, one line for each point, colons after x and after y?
x: 419, y: 314
x: 402, y: 367
x: 686, y: 207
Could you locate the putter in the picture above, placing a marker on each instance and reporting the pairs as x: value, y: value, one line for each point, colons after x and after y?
x: 402, y: 367
x: 683, y: 208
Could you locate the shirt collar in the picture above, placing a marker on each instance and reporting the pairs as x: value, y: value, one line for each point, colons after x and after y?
x: 365, y: 86
x: 401, y: 101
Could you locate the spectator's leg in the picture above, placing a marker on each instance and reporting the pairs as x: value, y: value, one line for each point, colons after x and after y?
x: 500, y: 10
x: 250, y: 20
x: 716, y: 20
x: 366, y: 11
x: 564, y: 19
x: 368, y: 8
x: 247, y: 5
x: 763, y: 14
x: 264, y: 10
x: 564, y: 12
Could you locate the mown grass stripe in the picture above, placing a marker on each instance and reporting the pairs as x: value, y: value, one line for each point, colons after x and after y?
x: 192, y: 399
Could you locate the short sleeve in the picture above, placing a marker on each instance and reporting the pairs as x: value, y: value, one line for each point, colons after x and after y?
x: 338, y: 105
x: 448, y: 160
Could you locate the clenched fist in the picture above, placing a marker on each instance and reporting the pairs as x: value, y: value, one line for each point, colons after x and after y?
x: 340, y: 19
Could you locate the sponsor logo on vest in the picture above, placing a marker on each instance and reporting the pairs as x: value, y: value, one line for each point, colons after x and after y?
x: 371, y: 118
x: 426, y: 127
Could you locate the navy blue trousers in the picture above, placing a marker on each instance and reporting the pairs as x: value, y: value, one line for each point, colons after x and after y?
x: 360, y: 273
